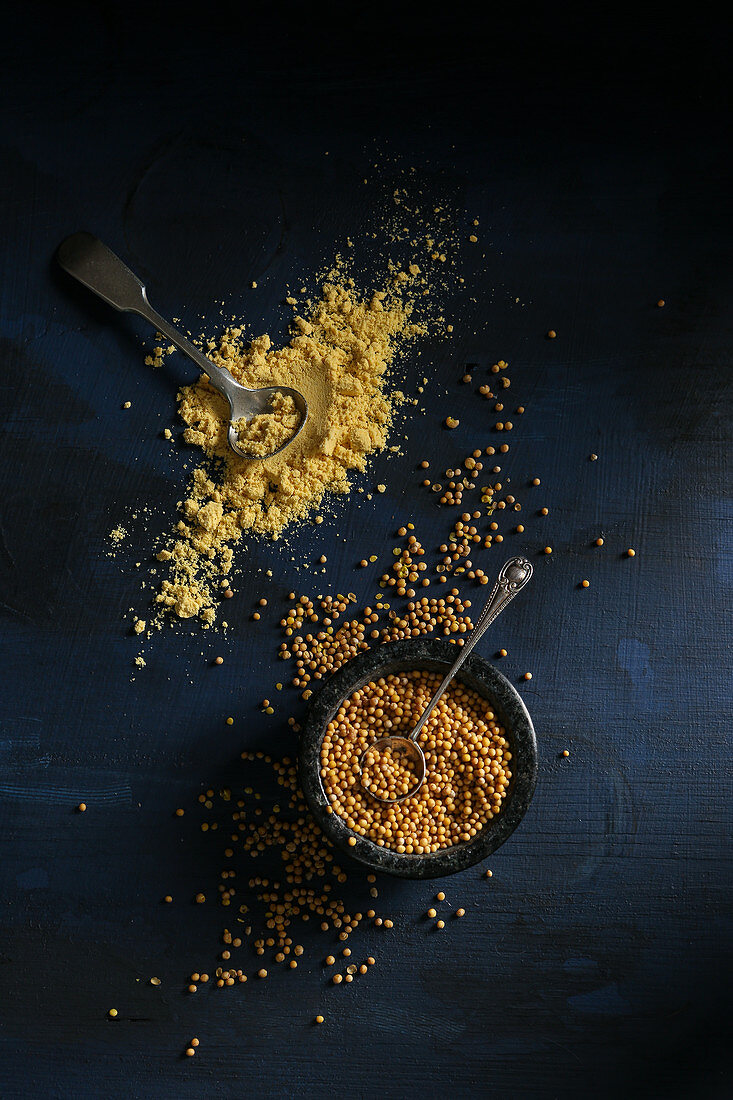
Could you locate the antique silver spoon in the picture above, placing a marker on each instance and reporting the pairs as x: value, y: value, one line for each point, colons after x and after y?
x: 94, y: 265
x: 513, y: 576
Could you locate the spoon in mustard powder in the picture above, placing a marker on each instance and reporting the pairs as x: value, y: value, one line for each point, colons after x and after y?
x: 513, y: 576
x: 93, y: 264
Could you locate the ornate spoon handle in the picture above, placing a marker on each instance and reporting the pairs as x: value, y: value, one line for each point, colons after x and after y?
x: 513, y: 576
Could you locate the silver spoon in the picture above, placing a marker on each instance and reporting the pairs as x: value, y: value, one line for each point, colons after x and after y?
x: 513, y: 576
x: 94, y: 265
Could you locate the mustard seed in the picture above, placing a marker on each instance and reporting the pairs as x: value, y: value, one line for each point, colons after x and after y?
x: 660, y: 303
x: 551, y: 334
x: 432, y: 913
x: 190, y: 1052
x: 330, y: 960
x: 585, y: 584
x: 565, y: 752
x: 319, y: 1019
x: 528, y: 676
x: 502, y: 653
x: 460, y: 912
x: 489, y: 874
x: 167, y: 899
x: 262, y: 973
x: 218, y: 660
x: 112, y: 1013
x: 200, y: 899
x: 548, y: 549
x: 337, y: 979
x: 631, y: 553
x: 440, y: 896
x: 82, y: 807
x: 194, y: 1042
x: 440, y: 924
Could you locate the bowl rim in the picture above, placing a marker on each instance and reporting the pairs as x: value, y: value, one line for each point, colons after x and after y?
x: 432, y: 654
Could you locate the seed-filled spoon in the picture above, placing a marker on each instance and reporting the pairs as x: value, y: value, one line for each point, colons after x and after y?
x: 94, y: 265
x: 513, y: 576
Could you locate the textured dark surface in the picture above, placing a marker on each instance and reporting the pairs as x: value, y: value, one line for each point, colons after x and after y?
x: 435, y: 655
x: 596, y: 961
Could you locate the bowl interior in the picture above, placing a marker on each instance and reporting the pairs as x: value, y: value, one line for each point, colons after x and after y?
x: 432, y: 655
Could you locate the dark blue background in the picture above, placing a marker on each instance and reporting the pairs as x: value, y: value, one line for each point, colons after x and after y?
x: 596, y: 961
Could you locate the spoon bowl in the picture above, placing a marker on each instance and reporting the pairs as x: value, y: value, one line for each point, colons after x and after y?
x: 394, y: 746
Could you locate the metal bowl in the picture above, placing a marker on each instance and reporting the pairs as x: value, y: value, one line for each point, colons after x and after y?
x: 434, y: 655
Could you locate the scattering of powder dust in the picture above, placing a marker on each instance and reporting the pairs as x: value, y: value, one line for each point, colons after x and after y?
x: 338, y: 358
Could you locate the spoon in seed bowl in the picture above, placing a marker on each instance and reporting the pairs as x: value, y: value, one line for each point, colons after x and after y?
x: 98, y: 268
x: 403, y: 755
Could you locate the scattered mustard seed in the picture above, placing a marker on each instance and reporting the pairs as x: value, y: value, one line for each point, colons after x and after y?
x: 440, y: 924
x: 218, y: 660
x: 660, y: 303
x: 112, y: 1013
x: 528, y: 676
x: 565, y: 752
x: 551, y: 334
x: 502, y: 653
x: 432, y: 913
x: 585, y: 584
x: 630, y: 553
x: 262, y: 973
x: 548, y: 549
x: 190, y: 1052
x: 82, y: 807
x: 451, y: 422
x: 319, y: 1019
x: 460, y: 912
x: 440, y: 896
x: 599, y: 542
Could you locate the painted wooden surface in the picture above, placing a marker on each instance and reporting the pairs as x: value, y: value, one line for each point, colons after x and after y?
x: 230, y: 149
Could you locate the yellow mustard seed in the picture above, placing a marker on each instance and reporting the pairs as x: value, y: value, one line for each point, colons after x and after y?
x: 630, y: 553
x: 112, y: 1013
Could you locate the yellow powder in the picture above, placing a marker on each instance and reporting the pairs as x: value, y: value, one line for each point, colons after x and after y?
x: 269, y: 431
x: 338, y: 359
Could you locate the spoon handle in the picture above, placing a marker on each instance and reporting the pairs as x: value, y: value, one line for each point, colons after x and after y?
x: 100, y: 270
x: 513, y: 576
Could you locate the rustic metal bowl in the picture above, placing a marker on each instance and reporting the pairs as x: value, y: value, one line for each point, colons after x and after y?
x: 434, y: 655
